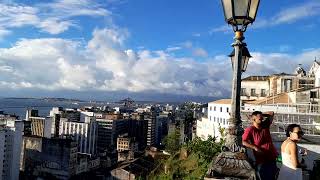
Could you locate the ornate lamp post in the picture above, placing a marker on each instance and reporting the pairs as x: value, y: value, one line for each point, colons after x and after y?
x: 232, y: 161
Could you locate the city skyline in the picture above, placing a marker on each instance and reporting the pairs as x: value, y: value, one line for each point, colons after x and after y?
x: 160, y: 49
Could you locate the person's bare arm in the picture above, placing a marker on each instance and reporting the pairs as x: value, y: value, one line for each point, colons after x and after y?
x: 294, y: 155
x: 251, y: 146
x: 270, y: 116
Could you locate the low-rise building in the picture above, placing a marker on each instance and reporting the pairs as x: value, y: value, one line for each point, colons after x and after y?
x: 217, y: 119
x: 126, y: 147
x: 138, y: 168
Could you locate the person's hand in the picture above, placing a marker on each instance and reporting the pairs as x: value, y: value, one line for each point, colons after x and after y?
x: 255, y: 148
x: 304, y: 152
x: 269, y: 113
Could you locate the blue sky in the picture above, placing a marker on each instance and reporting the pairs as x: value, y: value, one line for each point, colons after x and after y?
x: 130, y: 48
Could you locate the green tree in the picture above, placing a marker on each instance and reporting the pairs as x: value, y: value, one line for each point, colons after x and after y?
x: 206, y: 149
x: 172, y: 142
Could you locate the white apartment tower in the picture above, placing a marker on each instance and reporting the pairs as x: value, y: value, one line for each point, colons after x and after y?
x: 83, y: 131
x: 11, y: 132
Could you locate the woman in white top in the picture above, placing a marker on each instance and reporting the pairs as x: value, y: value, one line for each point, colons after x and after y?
x: 291, y: 167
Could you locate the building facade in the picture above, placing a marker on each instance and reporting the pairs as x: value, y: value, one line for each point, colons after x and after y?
x: 85, y: 133
x: 260, y: 87
x: 151, y: 131
x: 216, y: 120
x: 10, y: 148
x: 53, y: 158
x: 138, y: 128
x: 41, y: 126
x: 110, y: 126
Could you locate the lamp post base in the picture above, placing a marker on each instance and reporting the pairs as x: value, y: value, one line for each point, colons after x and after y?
x: 232, y: 166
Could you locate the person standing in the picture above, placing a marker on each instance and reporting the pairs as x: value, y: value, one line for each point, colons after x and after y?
x: 291, y: 167
x: 258, y: 138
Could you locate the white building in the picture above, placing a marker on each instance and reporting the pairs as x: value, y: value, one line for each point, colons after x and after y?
x: 254, y: 87
x: 10, y: 148
x: 218, y: 117
x: 315, y: 72
x: 85, y: 132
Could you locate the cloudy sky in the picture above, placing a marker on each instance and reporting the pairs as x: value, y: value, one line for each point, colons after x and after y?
x: 163, y: 50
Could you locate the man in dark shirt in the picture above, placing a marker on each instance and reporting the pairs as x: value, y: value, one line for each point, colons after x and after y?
x: 258, y: 138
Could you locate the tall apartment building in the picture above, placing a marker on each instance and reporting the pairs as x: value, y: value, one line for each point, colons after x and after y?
x: 11, y: 132
x: 138, y: 128
x: 71, y: 114
x: 161, y: 127
x: 151, y: 131
x: 31, y: 113
x: 55, y: 114
x: 110, y: 126
x: 83, y: 131
x: 41, y: 126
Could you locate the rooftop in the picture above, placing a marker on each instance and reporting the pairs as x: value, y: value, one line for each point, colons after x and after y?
x: 256, y: 78
x: 281, y: 98
x: 222, y: 101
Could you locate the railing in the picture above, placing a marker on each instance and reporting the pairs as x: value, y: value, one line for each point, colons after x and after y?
x: 285, y: 108
x: 306, y: 115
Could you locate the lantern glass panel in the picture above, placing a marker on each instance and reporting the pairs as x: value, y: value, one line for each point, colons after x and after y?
x: 253, y: 9
x: 244, y: 63
x: 232, y: 62
x: 241, y: 8
x: 227, y: 8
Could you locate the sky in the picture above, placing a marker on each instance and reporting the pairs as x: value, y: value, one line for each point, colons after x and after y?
x: 148, y: 50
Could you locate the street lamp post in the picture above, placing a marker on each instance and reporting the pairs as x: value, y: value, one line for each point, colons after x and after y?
x: 232, y: 161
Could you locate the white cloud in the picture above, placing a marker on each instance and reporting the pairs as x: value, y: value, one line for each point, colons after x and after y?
x: 293, y: 14
x: 224, y: 28
x: 103, y: 64
x: 75, y: 77
x: 173, y: 48
x: 54, y: 25
x: 4, y: 32
x: 53, y: 18
x: 196, y: 34
x: 200, y: 52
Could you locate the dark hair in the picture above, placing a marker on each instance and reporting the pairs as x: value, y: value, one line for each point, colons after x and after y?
x: 256, y: 113
x: 290, y: 129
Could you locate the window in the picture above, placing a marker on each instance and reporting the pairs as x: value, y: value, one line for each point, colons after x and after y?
x: 243, y: 92
x: 210, y: 118
x: 210, y: 108
x: 263, y: 93
x: 313, y: 94
x: 214, y: 108
x: 220, y: 109
x: 253, y: 92
x: 227, y: 109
